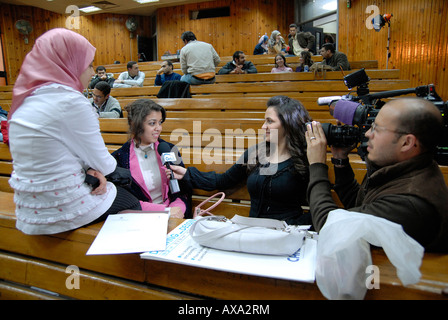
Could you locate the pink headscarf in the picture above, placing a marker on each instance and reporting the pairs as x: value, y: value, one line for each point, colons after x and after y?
x: 58, y: 56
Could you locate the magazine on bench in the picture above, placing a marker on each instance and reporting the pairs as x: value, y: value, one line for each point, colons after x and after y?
x: 182, y: 249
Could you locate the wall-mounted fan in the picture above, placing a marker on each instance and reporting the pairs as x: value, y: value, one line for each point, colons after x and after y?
x: 24, y: 28
x: 131, y: 25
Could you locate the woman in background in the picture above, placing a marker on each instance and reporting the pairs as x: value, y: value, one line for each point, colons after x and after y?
x: 280, y: 65
x: 276, y: 44
x: 304, y: 60
x: 262, y: 46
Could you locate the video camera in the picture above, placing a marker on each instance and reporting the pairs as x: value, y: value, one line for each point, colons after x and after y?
x: 357, y: 113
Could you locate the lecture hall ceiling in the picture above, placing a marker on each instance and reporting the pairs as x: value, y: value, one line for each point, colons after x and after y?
x: 107, y: 6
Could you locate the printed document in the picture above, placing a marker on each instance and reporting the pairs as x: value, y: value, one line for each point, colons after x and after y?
x: 131, y: 233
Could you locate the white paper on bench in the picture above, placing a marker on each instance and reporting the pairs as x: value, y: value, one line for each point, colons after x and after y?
x: 182, y: 249
x: 131, y: 233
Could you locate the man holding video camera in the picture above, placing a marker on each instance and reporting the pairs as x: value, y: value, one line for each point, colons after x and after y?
x: 403, y: 183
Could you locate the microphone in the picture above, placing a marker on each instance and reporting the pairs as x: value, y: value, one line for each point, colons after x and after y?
x: 168, y: 158
x: 327, y: 100
x: 345, y: 110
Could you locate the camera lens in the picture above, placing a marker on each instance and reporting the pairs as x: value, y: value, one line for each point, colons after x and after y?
x: 341, y: 136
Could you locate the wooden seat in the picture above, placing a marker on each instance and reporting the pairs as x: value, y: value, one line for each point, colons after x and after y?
x: 39, y: 267
x: 30, y: 262
x: 289, y: 88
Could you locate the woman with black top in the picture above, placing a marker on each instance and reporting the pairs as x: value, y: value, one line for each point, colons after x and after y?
x: 275, y: 171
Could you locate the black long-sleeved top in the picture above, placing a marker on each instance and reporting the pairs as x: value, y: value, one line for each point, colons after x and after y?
x: 279, y: 194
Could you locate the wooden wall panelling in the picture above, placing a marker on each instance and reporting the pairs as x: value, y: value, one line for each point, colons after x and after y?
x: 249, y: 19
x: 418, y: 39
x: 107, y: 32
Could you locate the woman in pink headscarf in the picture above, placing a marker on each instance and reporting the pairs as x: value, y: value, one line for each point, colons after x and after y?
x: 55, y: 140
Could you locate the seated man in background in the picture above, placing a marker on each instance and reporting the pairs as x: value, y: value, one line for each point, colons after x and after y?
x: 403, y: 183
x: 106, y: 105
x: 198, y: 60
x: 335, y: 59
x: 101, y: 75
x: 131, y: 78
x: 238, y: 65
x: 166, y: 73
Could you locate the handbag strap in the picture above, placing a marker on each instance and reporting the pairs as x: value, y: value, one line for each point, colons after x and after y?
x: 259, y: 222
x: 217, y: 233
x: 199, y: 212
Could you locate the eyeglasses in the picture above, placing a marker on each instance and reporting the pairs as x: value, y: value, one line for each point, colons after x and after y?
x: 97, y: 96
x: 374, y: 127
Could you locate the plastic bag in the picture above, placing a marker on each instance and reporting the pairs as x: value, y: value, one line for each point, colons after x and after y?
x: 343, y: 253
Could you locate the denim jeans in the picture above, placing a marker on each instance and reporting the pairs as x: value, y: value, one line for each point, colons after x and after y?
x: 192, y: 80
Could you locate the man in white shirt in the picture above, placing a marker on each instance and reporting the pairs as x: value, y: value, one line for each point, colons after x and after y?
x: 198, y: 60
x: 131, y: 78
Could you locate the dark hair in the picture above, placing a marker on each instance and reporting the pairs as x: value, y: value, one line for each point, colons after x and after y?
x: 137, y: 113
x: 283, y: 57
x: 100, y: 68
x: 423, y: 120
x: 188, y: 35
x: 307, y: 61
x: 293, y: 117
x: 169, y: 63
x: 104, y: 87
x: 328, y: 38
x: 130, y: 64
x: 329, y: 46
x: 293, y: 25
x: 236, y: 55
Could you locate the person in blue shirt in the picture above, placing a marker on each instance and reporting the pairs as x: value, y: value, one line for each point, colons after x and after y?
x: 262, y: 46
x: 166, y: 73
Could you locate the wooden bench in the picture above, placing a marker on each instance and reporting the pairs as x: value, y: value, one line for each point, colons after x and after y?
x: 30, y: 262
x: 294, y: 76
x: 261, y: 68
x: 38, y: 267
x: 294, y: 89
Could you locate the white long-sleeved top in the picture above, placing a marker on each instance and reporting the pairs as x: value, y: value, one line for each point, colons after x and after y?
x: 129, y: 81
x: 198, y: 57
x: 54, y: 138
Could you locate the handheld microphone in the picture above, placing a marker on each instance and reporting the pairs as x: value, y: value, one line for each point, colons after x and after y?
x: 168, y: 158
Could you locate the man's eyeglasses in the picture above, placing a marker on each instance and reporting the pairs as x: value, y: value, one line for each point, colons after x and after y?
x: 374, y: 127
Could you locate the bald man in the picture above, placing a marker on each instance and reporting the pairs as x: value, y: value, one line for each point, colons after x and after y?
x: 403, y: 183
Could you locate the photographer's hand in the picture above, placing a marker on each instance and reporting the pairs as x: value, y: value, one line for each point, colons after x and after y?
x: 316, y: 143
x: 341, y: 152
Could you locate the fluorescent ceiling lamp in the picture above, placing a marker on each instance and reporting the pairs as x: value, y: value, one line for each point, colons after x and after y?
x: 330, y: 6
x: 145, y: 1
x: 89, y: 9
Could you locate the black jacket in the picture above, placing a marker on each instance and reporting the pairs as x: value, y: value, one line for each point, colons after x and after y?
x: 248, y: 66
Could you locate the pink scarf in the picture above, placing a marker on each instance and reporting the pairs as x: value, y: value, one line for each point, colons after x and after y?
x: 58, y: 56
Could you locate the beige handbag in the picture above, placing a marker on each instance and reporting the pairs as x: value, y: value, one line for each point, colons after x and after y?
x: 249, y: 235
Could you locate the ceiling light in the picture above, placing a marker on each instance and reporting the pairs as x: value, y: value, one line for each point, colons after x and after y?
x: 145, y: 1
x: 330, y: 6
x: 89, y: 9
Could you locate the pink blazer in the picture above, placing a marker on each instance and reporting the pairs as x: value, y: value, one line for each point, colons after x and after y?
x: 136, y: 172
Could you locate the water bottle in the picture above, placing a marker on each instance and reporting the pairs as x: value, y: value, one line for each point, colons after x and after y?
x: 306, y: 68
